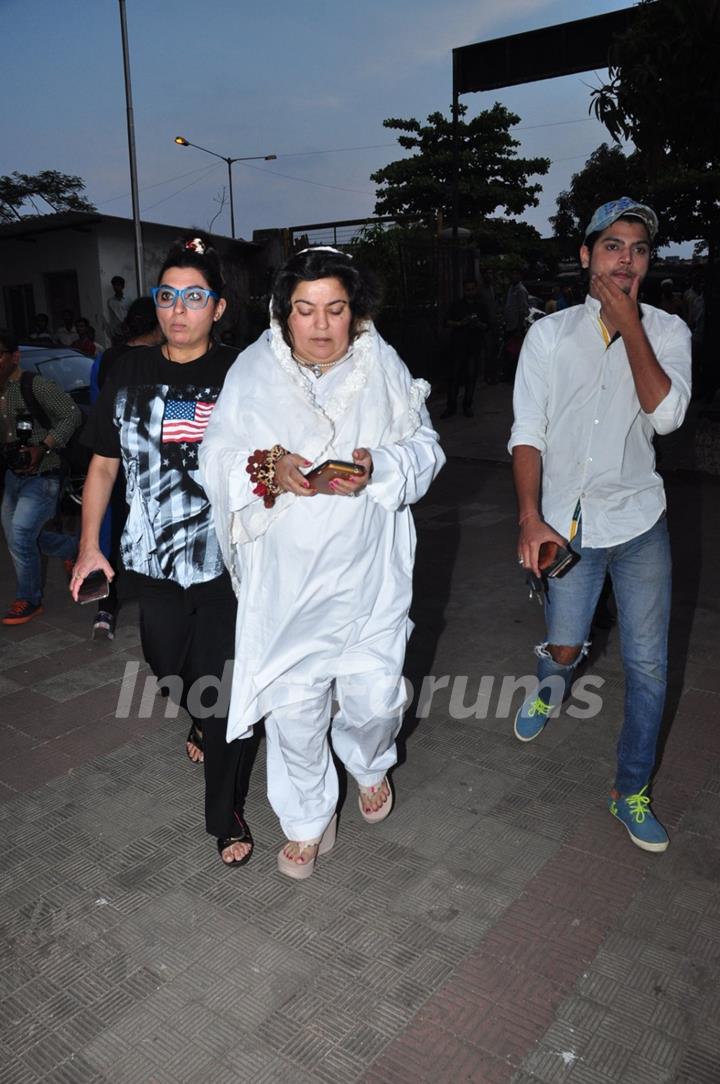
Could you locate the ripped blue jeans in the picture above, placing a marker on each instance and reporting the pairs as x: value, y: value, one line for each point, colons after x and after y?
x: 641, y: 576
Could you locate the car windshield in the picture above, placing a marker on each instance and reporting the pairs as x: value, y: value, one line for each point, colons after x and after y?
x: 68, y: 371
x: 68, y: 368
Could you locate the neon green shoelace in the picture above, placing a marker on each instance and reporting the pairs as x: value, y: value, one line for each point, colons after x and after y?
x: 539, y: 707
x: 638, y: 804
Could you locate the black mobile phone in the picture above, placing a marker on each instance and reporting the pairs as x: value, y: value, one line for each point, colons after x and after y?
x: 555, y: 560
x: 94, y: 587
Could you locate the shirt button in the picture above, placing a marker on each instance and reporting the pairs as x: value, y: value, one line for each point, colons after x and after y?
x: 589, y: 459
x: 596, y: 421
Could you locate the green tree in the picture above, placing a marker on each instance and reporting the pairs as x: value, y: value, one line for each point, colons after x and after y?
x: 21, y: 194
x: 607, y: 174
x: 491, y: 175
x: 662, y: 93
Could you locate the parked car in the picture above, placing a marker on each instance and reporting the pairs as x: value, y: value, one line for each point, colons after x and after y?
x: 67, y: 367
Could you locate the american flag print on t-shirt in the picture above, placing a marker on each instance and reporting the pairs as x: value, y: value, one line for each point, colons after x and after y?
x: 185, y: 416
x: 185, y: 420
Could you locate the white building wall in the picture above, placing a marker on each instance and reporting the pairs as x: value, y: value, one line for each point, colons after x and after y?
x: 28, y: 260
x: 96, y: 252
x: 116, y: 256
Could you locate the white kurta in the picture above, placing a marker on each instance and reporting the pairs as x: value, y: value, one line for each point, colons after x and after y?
x: 324, y: 583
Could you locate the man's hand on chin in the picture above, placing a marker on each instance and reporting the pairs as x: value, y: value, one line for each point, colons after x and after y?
x: 619, y: 308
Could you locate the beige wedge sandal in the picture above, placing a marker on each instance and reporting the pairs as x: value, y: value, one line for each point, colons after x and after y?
x: 301, y: 862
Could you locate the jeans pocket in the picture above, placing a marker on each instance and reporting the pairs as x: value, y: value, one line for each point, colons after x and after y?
x: 50, y: 487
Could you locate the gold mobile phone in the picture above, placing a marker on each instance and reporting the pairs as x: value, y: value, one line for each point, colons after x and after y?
x: 320, y: 477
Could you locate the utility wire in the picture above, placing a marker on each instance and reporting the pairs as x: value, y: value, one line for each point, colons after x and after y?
x: 552, y: 124
x: 378, y: 146
x: 206, y: 170
x: 184, y: 188
x: 159, y: 184
x: 337, y: 150
x: 302, y: 180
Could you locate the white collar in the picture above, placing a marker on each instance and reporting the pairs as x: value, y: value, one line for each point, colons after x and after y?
x: 364, y: 350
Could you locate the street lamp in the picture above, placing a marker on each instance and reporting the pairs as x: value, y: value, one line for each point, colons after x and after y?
x: 182, y: 142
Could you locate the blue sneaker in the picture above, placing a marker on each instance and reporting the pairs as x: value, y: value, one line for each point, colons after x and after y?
x: 634, y: 812
x: 531, y: 718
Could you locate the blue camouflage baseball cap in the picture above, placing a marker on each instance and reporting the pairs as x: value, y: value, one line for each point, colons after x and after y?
x: 615, y: 209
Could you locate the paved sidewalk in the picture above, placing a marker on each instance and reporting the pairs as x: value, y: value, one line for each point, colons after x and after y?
x: 498, y: 928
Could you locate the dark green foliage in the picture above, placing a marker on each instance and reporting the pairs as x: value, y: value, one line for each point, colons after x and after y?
x: 491, y: 176
x: 25, y: 195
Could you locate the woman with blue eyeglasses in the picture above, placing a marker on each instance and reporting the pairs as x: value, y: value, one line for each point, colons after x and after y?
x: 149, y: 421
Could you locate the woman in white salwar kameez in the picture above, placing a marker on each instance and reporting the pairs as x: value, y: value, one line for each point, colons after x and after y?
x: 324, y: 581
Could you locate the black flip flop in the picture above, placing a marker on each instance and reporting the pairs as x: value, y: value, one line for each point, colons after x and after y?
x: 244, y: 837
x: 194, y: 738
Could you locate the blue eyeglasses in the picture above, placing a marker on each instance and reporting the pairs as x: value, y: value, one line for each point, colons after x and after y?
x: 192, y: 297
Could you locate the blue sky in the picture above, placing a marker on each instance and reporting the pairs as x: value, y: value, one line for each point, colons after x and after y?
x: 243, y: 77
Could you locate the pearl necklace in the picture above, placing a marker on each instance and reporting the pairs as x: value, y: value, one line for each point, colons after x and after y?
x: 318, y: 367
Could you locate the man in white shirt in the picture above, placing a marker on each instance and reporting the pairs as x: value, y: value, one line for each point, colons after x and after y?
x: 595, y: 383
x: 65, y: 334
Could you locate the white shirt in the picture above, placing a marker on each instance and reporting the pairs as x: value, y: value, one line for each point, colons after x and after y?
x: 118, y: 309
x: 65, y: 336
x: 324, y: 583
x: 575, y: 401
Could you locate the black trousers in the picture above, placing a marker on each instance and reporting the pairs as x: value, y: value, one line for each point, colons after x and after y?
x: 464, y: 369
x: 189, y: 633
x: 117, y: 512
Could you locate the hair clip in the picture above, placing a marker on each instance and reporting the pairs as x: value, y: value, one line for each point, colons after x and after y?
x: 323, y: 248
x: 196, y: 244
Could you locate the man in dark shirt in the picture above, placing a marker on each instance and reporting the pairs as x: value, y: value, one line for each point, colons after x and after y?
x: 468, y: 321
x: 32, y: 478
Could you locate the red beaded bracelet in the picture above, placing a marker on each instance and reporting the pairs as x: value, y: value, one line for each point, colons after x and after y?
x: 261, y: 468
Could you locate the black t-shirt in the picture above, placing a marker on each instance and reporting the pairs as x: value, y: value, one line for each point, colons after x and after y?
x: 152, y: 413
x: 108, y: 359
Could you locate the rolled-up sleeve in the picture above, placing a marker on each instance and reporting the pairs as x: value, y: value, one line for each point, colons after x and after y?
x: 530, y: 395
x: 674, y: 357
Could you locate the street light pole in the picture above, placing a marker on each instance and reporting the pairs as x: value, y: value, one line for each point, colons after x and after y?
x: 139, y: 257
x: 182, y: 142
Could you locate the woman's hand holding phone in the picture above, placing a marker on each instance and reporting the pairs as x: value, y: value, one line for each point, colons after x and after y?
x: 349, y: 485
x: 94, y: 587
x: 90, y: 559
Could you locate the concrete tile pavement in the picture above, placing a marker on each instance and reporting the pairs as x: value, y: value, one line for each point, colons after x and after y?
x: 498, y: 927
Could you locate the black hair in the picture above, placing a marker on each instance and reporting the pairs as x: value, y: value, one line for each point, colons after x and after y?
x: 195, y: 250
x: 141, y: 319
x: 8, y: 341
x: 361, y: 285
x: 592, y: 237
